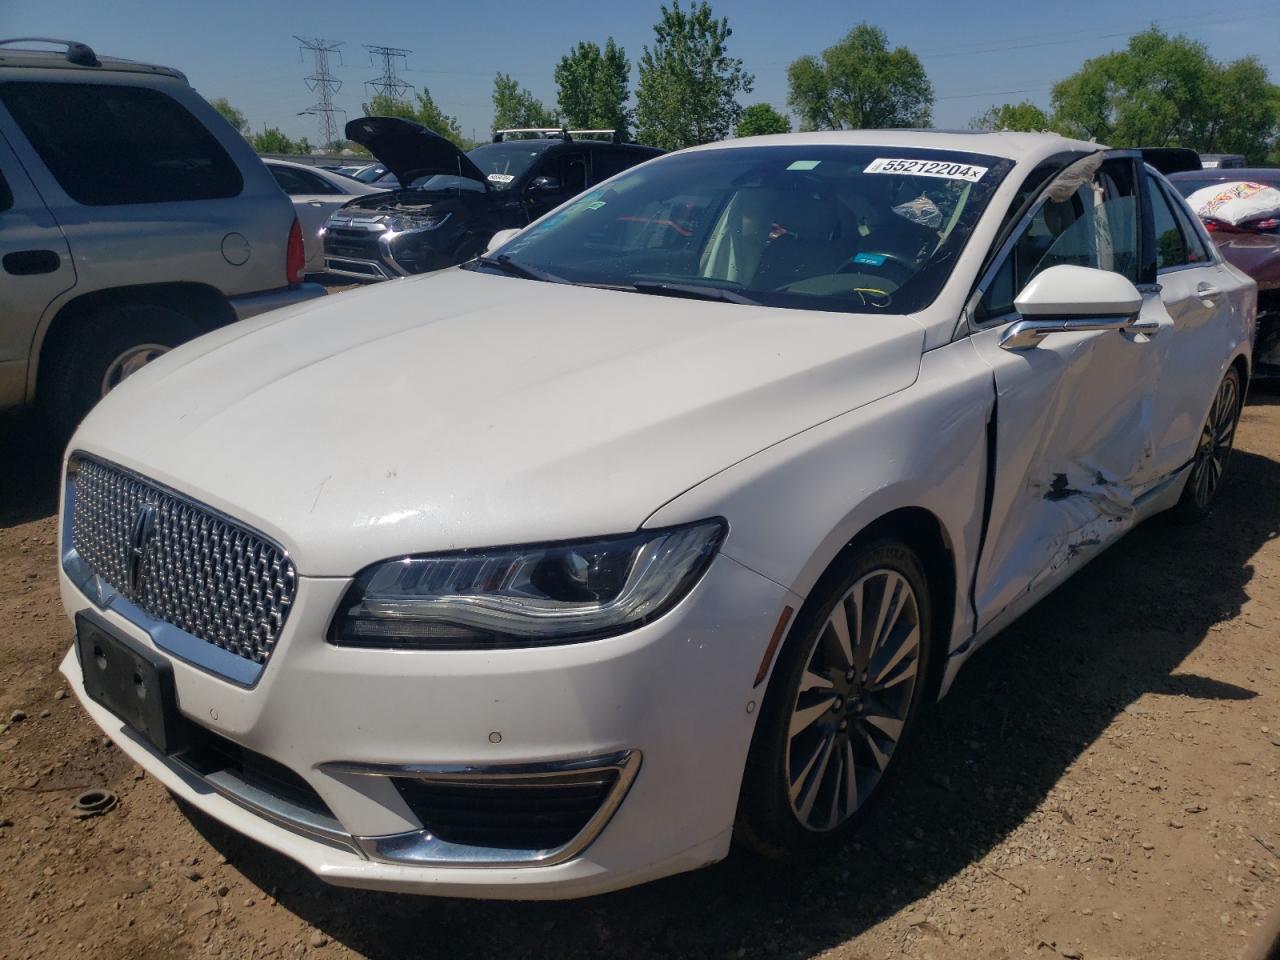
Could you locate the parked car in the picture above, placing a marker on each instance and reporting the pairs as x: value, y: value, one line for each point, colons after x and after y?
x: 1254, y: 248
x: 315, y: 193
x: 1223, y: 161
x: 168, y: 227
x: 656, y: 525
x: 446, y: 204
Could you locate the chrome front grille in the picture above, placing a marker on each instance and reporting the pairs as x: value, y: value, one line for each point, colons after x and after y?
x: 182, y: 562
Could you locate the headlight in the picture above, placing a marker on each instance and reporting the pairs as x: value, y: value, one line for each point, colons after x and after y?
x: 402, y: 223
x: 526, y: 596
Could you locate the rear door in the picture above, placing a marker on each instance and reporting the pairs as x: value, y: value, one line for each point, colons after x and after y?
x: 1073, y: 437
x: 1195, y: 289
x: 36, y: 266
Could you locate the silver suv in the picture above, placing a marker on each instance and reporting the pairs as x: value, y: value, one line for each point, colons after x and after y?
x: 132, y: 218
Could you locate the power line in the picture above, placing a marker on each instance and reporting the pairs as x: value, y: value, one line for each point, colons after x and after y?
x: 388, y: 83
x: 323, y: 83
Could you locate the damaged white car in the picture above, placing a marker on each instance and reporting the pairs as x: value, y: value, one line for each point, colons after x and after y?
x: 657, y: 525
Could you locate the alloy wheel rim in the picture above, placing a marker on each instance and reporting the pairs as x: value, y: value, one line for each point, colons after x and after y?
x: 854, y: 699
x: 1215, y: 443
x: 130, y: 362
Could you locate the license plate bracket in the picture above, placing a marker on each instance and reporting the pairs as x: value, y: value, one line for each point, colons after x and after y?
x: 134, y: 683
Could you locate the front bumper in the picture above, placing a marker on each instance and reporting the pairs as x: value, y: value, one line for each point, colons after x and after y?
x: 678, y: 692
x: 252, y: 304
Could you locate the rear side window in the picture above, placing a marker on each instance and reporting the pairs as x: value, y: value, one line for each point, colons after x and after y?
x: 1197, y: 247
x: 300, y: 182
x: 6, y: 195
x: 108, y: 144
x: 605, y: 163
x: 1171, y: 247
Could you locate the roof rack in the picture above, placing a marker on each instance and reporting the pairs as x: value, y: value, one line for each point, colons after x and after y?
x: 554, y: 133
x: 80, y: 54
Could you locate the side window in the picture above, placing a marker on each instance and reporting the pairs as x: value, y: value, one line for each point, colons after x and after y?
x: 316, y: 184
x: 1171, y: 246
x: 289, y: 180
x: 573, y: 173
x: 6, y: 195
x: 1197, y: 247
x: 108, y: 144
x: 605, y: 163
x: 1089, y: 219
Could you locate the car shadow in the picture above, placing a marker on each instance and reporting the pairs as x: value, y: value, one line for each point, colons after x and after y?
x: 1021, y: 712
x: 30, y: 458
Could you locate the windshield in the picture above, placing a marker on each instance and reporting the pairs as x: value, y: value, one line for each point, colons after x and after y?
x: 445, y: 181
x: 854, y: 229
x: 370, y: 173
x: 503, y: 163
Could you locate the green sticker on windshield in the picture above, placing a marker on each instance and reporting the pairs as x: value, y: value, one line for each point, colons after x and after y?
x: 803, y: 164
x: 595, y: 205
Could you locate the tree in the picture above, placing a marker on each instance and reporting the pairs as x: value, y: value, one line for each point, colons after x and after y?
x: 272, y: 140
x: 514, y: 106
x: 860, y: 83
x: 1025, y: 116
x: 231, y: 115
x: 1167, y: 91
x: 688, y: 82
x: 761, y: 118
x: 593, y: 87
x: 425, y: 112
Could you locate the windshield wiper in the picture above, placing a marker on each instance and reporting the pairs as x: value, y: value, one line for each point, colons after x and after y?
x: 693, y: 291
x: 507, y: 265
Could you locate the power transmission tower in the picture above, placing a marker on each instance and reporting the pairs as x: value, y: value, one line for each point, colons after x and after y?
x: 325, y: 85
x: 388, y: 83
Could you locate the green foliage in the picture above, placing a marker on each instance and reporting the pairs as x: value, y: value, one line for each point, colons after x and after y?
x: 761, y: 118
x: 514, y: 106
x: 1024, y: 116
x: 860, y: 83
x: 231, y: 115
x: 593, y: 87
x: 425, y: 112
x: 1167, y: 91
x: 688, y: 82
x: 271, y: 140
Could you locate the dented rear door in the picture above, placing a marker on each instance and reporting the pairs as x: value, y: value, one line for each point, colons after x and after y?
x: 1073, y: 423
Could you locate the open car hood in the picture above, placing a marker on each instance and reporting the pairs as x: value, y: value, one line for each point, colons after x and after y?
x: 409, y: 150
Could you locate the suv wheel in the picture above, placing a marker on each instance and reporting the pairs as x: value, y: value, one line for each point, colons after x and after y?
x: 105, y: 349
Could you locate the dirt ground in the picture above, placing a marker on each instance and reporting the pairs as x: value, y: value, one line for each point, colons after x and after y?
x: 1101, y: 783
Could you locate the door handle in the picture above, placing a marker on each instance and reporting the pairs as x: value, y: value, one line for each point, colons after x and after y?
x: 26, y: 262
x: 1026, y: 334
x: 1207, y: 291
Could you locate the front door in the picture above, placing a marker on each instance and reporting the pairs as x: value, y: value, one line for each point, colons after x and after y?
x: 1073, y: 420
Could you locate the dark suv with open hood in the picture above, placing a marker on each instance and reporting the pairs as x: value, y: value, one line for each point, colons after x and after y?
x: 450, y: 203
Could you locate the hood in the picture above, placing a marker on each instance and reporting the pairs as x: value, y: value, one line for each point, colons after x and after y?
x: 462, y: 409
x: 410, y: 150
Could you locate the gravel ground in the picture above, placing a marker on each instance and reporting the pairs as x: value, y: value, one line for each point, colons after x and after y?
x: 1101, y: 783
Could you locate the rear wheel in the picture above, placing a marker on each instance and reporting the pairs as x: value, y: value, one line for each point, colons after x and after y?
x: 842, y: 702
x: 103, y: 351
x: 1212, y: 451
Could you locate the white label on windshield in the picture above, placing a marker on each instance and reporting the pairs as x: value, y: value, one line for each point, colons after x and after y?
x: 803, y: 164
x: 944, y: 169
x: 501, y: 177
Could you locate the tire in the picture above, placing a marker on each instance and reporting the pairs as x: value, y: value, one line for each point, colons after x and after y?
x: 103, y: 349
x: 1212, y: 452
x: 787, y: 810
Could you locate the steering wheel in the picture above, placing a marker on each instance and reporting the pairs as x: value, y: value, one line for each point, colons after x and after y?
x: 900, y: 268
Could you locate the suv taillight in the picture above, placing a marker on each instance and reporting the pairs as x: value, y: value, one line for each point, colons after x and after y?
x: 295, y: 258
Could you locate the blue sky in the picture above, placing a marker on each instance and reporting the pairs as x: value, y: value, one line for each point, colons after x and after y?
x: 976, y: 53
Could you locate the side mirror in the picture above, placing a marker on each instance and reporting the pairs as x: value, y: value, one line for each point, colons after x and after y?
x: 1071, y: 299
x: 545, y: 185
x: 500, y: 238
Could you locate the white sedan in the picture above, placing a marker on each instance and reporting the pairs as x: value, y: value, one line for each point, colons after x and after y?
x: 315, y: 193
x: 657, y: 526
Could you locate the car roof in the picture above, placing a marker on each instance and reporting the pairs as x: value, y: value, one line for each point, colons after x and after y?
x: 1020, y: 147
x: 1229, y: 173
x: 23, y: 57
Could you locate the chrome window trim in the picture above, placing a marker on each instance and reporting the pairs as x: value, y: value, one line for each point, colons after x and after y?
x: 164, y: 635
x: 421, y: 848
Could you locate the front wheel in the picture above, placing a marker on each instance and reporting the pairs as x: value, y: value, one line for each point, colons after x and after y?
x: 1212, y: 451
x: 844, y: 696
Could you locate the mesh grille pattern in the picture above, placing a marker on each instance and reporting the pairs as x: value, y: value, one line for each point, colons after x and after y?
x: 202, y: 573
